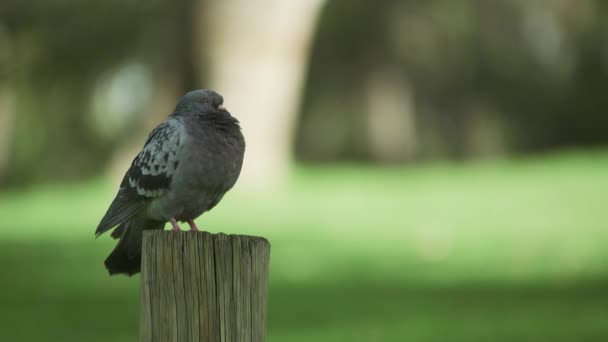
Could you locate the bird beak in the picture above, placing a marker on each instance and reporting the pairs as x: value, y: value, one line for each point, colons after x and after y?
x: 221, y: 107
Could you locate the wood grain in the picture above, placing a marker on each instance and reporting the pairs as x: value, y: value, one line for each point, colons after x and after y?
x: 197, y: 286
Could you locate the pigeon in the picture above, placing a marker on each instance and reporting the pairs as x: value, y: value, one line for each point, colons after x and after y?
x: 187, y: 164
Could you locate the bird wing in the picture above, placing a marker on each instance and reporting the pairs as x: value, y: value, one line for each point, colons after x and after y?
x: 149, y: 176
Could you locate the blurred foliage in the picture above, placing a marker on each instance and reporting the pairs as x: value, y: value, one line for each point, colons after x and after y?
x: 57, y: 52
x: 485, y: 77
x: 395, y: 81
x: 493, y: 251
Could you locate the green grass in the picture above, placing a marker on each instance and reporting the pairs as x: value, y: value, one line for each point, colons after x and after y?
x: 504, y: 251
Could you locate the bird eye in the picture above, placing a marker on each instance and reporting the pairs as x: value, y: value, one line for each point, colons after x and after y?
x: 206, y: 101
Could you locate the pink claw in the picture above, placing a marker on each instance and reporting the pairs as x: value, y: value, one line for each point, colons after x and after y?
x: 174, y: 224
x: 193, y: 227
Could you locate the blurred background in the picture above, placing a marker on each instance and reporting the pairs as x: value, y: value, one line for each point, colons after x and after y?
x: 425, y: 170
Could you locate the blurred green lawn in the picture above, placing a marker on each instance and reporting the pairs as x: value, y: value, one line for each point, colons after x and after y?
x: 489, y: 251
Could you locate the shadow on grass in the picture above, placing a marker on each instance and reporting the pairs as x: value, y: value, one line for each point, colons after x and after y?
x: 56, y: 291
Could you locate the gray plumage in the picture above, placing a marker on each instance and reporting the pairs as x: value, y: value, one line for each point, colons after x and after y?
x: 186, y: 166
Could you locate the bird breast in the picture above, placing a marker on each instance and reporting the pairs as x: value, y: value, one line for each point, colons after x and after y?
x: 210, y: 161
x: 209, y: 166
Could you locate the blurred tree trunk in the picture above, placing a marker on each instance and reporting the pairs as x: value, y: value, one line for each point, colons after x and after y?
x: 257, y: 54
x: 7, y: 101
x: 7, y: 116
x: 390, y: 113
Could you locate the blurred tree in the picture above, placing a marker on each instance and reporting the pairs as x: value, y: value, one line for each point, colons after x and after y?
x: 257, y: 53
x: 7, y: 99
x: 60, y: 51
x: 459, y: 79
x: 64, y: 48
x: 392, y: 81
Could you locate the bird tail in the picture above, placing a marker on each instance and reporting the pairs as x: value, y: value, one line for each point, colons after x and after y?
x: 126, y: 256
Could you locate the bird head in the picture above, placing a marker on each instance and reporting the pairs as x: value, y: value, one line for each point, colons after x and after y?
x: 201, y: 102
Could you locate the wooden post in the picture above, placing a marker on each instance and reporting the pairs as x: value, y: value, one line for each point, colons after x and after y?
x: 203, y: 287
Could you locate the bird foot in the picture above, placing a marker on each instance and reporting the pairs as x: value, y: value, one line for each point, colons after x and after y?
x: 175, y: 225
x: 193, y: 227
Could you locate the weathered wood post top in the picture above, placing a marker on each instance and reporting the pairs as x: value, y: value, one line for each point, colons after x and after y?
x: 197, y: 286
